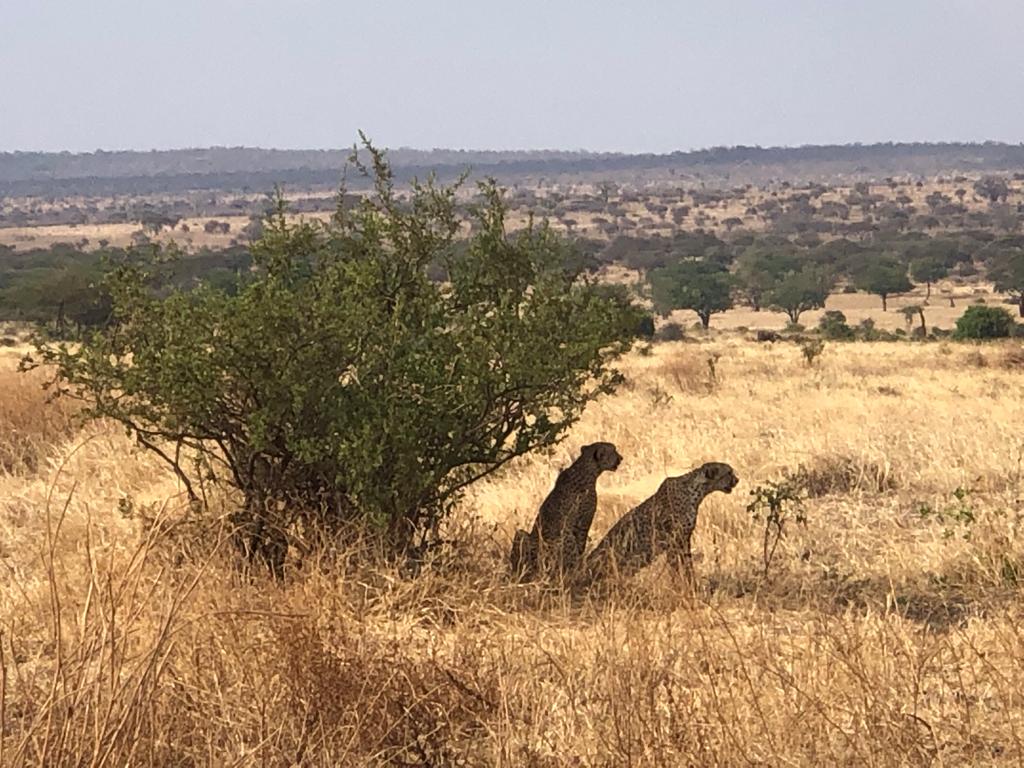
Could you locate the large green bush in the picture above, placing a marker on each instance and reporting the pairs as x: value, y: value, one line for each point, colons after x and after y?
x: 981, y: 322
x: 341, y: 384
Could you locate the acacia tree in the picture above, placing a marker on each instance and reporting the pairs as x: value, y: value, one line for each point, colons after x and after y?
x: 759, y: 268
x: 992, y: 188
x: 927, y: 270
x: 703, y: 286
x: 799, y: 291
x: 883, y: 275
x: 1007, y: 271
x: 340, y: 384
x: 912, y: 312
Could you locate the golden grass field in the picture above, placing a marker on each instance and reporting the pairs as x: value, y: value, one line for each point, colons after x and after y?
x: 879, y: 638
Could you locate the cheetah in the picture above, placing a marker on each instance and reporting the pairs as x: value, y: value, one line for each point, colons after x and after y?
x: 556, y: 543
x: 663, y: 523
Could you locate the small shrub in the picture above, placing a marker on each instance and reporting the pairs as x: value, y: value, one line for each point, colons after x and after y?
x: 794, y: 328
x: 778, y: 503
x: 866, y: 331
x: 670, y: 332
x: 957, y: 518
x: 981, y: 322
x: 659, y: 396
x: 833, y: 327
x: 812, y: 349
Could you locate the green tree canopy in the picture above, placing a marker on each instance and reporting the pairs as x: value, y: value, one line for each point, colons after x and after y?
x: 927, y: 270
x: 759, y: 269
x: 882, y: 274
x: 1006, y: 268
x: 703, y: 286
x: 992, y: 188
x: 801, y: 290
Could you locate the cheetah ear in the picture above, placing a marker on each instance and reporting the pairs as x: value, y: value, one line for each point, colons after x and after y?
x: 589, y: 451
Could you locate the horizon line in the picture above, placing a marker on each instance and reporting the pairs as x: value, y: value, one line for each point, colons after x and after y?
x: 547, y: 150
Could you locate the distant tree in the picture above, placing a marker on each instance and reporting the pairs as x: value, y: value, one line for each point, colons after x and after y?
x: 883, y: 275
x: 936, y: 200
x: 992, y: 188
x: 700, y: 245
x: 759, y: 268
x: 154, y: 221
x: 927, y: 270
x: 637, y: 253
x: 1007, y: 272
x: 912, y: 312
x: 213, y: 226
x: 799, y: 291
x: 703, y: 286
x: 679, y: 214
x: 838, y: 253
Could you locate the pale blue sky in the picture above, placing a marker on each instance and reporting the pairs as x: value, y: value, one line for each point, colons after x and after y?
x: 648, y: 75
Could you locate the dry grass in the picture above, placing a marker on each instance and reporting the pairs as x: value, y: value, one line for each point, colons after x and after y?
x: 881, y: 637
x: 29, y: 424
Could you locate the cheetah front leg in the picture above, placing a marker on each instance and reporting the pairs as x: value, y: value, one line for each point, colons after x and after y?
x: 682, y: 558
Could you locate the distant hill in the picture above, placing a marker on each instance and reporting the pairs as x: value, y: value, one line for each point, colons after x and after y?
x: 253, y: 169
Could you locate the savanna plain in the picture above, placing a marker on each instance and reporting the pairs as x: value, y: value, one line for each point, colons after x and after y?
x: 886, y: 631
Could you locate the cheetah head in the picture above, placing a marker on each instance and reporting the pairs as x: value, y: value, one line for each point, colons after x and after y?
x: 602, y: 454
x: 718, y: 477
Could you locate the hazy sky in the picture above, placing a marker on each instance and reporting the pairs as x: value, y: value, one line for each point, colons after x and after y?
x: 646, y: 75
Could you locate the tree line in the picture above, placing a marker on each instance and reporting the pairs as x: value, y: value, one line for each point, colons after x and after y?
x: 705, y: 274
x: 63, y: 285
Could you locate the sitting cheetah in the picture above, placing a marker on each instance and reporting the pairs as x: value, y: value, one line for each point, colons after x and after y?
x: 559, y: 536
x: 662, y: 523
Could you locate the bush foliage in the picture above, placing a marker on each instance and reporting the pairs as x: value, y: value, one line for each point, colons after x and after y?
x: 340, y: 384
x: 981, y: 322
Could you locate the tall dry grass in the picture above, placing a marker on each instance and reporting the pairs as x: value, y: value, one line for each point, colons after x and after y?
x: 880, y: 637
x: 29, y: 423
